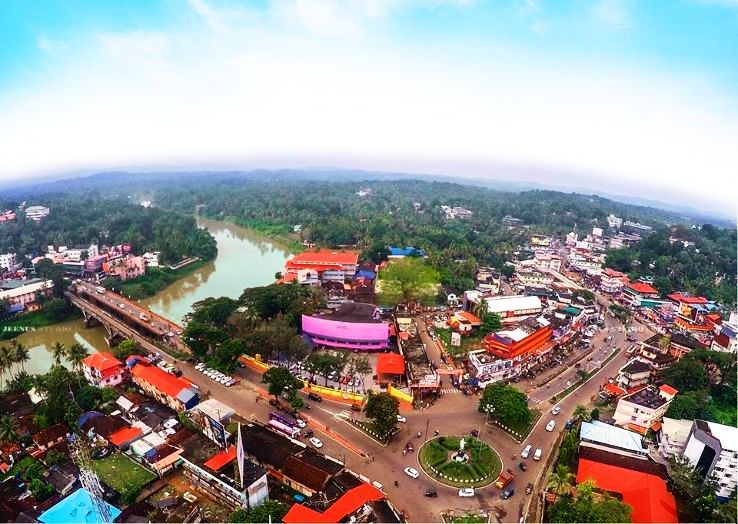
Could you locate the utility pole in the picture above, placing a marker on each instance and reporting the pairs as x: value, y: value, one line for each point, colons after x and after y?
x: 427, y: 423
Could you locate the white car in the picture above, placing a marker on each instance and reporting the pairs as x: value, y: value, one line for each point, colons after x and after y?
x: 551, y: 425
x: 199, y: 366
x: 466, y: 492
x: 300, y: 423
x: 315, y: 441
x: 400, y: 418
x: 556, y: 410
x: 526, y: 452
x: 412, y: 472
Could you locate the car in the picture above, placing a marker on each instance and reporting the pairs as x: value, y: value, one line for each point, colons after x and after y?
x: 412, y: 472
x: 551, y: 425
x: 431, y: 492
x: 466, y: 492
x: 301, y: 423
x: 474, y: 433
x: 315, y: 441
x: 355, y: 407
x: 537, y: 454
x: 230, y: 383
x: 400, y: 418
x: 569, y: 424
x: 507, y: 494
x: 523, y: 466
x: 121, y: 305
x: 529, y: 488
x: 556, y: 410
x: 315, y: 397
x: 526, y: 451
x: 170, y: 334
x: 199, y: 366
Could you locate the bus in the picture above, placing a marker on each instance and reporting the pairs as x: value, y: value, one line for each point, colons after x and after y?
x: 284, y: 429
x: 283, y: 418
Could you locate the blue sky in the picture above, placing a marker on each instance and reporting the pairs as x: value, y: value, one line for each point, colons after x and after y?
x: 630, y: 97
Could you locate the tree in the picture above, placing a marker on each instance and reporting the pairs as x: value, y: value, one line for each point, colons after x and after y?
x: 125, y: 349
x: 41, y: 490
x: 508, y: 404
x: 6, y: 363
x: 58, y: 352
x: 54, y: 457
x: 585, y: 508
x: 507, y: 270
x: 383, y: 409
x: 595, y: 414
x: 409, y: 280
x: 58, y: 309
x: 280, y: 379
x: 363, y: 368
x: 21, y: 355
x: 560, y: 479
x: 698, y: 494
x: 8, y: 429
x: 88, y: 397
x: 684, y: 406
x: 491, y: 322
x: 269, y: 511
x: 580, y: 413
x: 75, y: 355
x: 663, y: 285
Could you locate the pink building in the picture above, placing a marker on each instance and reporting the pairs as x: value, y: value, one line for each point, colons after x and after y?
x: 126, y: 267
x: 352, y: 326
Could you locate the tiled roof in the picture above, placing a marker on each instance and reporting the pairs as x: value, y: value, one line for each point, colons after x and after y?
x: 218, y: 461
x: 124, y: 435
x: 306, y: 474
x: 640, y: 287
x: 347, y: 504
x: 678, y: 297
x: 160, y: 379
x: 327, y: 256
x: 101, y: 361
x: 391, y: 363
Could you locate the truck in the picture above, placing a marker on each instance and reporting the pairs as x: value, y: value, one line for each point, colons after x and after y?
x: 144, y: 317
x: 505, y: 478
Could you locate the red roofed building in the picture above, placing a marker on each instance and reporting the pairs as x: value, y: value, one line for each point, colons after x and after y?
x: 124, y: 436
x: 634, y: 292
x: 645, y: 493
x: 220, y: 460
x: 612, y: 281
x: 348, y: 504
x: 529, y: 336
x: 315, y: 267
x: 690, y: 312
x: 177, y: 393
x: 103, y: 369
x: 390, y: 368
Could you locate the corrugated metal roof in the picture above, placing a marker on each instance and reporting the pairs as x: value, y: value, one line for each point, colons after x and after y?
x: 602, y: 433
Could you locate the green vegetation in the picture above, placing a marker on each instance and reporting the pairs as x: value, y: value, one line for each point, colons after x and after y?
x: 696, y: 500
x: 409, y: 280
x: 468, y: 342
x: 584, y: 507
x: 693, y: 269
x: 467, y: 518
x: 82, y: 219
x: 437, y: 455
x: 56, y: 310
x: 269, y: 511
x: 123, y: 475
x: 706, y: 381
x: 156, y: 279
x: 507, y: 404
x: 280, y: 380
x: 382, y: 409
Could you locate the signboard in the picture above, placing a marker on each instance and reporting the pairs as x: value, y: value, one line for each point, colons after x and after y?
x: 217, y: 432
x: 455, y: 339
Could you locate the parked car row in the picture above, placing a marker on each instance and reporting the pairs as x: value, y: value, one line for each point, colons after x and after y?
x: 216, y: 375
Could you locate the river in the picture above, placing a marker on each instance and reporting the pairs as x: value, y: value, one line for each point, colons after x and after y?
x: 245, y: 259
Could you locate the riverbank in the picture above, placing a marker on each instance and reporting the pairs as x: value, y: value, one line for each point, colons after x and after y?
x: 281, y: 233
x: 155, y: 280
x: 34, y: 320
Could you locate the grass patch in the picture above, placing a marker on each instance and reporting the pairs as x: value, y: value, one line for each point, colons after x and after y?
x: 155, y: 280
x: 521, y: 429
x: 468, y: 342
x: 466, y: 518
x: 121, y: 473
x: 436, y: 459
x: 370, y: 429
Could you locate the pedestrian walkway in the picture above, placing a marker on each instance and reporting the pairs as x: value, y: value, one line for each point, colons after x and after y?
x: 450, y: 391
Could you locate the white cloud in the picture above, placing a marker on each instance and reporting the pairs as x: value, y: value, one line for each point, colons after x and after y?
x: 150, y: 98
x: 50, y: 46
x: 540, y: 27
x: 613, y: 14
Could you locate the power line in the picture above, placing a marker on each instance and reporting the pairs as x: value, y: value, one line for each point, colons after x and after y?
x: 89, y: 479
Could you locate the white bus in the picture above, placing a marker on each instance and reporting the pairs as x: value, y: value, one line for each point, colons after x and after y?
x: 284, y: 429
x: 100, y: 290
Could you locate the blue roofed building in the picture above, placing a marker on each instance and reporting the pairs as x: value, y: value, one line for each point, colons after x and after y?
x: 603, y: 436
x: 76, y: 508
x: 402, y: 252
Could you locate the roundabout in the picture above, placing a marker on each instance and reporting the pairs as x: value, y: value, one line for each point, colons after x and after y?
x: 460, y: 462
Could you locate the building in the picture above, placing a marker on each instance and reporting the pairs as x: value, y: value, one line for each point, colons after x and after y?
x: 637, y: 228
x: 77, y: 508
x: 103, y: 369
x: 616, y: 440
x: 713, y: 450
x: 456, y: 212
x: 726, y: 339
x: 488, y: 279
x: 400, y: 252
x: 212, y: 416
x: 7, y: 261
x: 336, y: 266
x: 612, y: 281
x: 390, y: 368
x: 488, y: 369
x: 546, y: 261
x: 22, y: 295
x: 642, y: 484
x: 530, y: 335
x: 534, y: 278
x: 7, y: 215
x: 51, y: 437
x: 175, y: 392
x: 36, y: 213
x: 353, y: 326
x: 151, y: 259
x: 673, y: 436
x: 634, y: 374
x: 511, y: 308
x: 125, y: 268
x: 640, y: 410
x: 614, y: 222
x: 636, y: 292
x: 346, y: 508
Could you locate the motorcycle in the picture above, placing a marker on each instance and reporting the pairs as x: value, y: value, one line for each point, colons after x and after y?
x: 420, y: 434
x: 397, y: 484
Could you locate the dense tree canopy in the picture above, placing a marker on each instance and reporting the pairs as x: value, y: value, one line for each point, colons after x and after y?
x: 508, y: 404
x: 382, y: 408
x: 409, y: 280
x: 585, y: 507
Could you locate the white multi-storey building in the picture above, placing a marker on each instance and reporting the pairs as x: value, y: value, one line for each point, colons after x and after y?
x: 36, y: 213
x: 713, y: 450
x: 641, y: 409
x: 7, y: 261
x: 673, y: 436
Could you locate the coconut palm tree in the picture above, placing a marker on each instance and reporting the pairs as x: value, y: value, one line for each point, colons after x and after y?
x: 21, y: 355
x: 75, y: 355
x: 6, y: 362
x: 580, y: 413
x: 58, y: 352
x: 560, y: 479
x: 481, y: 308
x: 8, y: 429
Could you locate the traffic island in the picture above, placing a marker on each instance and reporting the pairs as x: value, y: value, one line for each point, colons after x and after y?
x: 460, y: 462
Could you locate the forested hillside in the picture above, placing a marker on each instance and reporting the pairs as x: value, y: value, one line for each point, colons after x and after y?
x: 84, y: 219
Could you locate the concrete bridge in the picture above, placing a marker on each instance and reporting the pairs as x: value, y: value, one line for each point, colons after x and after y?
x: 124, y: 319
